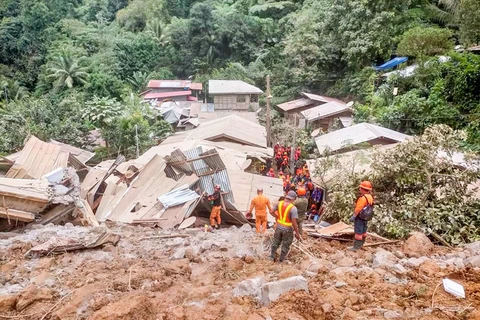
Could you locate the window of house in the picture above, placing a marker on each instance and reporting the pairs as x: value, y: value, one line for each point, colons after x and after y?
x: 253, y: 98
x: 241, y: 99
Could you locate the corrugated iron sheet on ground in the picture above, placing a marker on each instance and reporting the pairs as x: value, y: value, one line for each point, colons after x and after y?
x: 36, y: 159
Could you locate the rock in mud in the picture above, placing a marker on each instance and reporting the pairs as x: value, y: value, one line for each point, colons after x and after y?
x: 249, y: 287
x: 473, y: 261
x: 382, y: 259
x: 7, y: 302
x: 473, y: 247
x: 32, y: 294
x: 271, y: 291
x: 129, y: 308
x: 417, y: 245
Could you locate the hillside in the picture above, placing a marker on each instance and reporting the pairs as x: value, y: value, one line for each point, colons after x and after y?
x: 69, y: 66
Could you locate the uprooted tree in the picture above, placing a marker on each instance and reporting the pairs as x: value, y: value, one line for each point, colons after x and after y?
x: 424, y: 183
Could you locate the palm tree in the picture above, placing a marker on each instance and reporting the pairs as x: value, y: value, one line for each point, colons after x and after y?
x: 138, y: 80
x: 67, y: 72
x: 448, y: 11
x: 157, y: 29
x: 12, y: 90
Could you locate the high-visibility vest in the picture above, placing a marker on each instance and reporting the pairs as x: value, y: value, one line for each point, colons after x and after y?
x: 283, y: 217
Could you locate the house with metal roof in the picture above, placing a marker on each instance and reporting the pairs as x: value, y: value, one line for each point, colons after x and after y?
x: 228, y: 129
x: 355, y: 136
x: 325, y: 115
x: 234, y: 95
x: 306, y: 102
x: 172, y: 90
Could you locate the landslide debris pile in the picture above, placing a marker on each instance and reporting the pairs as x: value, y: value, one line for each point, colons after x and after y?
x: 189, y: 274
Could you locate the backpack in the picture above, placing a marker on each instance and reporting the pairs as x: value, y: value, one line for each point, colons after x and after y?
x: 367, y: 211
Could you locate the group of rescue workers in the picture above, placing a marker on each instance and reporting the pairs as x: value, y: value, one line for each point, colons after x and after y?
x: 301, y: 201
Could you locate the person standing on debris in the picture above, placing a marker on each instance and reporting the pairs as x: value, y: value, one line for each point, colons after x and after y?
x: 215, y: 198
x: 260, y: 203
x: 301, y: 203
x: 286, y: 215
x: 364, y: 204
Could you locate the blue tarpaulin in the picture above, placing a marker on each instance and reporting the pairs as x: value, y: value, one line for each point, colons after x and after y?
x: 392, y: 63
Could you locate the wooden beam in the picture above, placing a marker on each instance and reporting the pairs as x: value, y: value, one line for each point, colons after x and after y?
x: 16, y: 215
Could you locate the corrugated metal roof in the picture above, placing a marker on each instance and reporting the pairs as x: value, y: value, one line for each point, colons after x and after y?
x: 178, y: 196
x: 167, y: 84
x: 356, y: 134
x: 80, y: 154
x: 295, y: 104
x: 326, y: 110
x: 135, y: 202
x: 232, y: 127
x: 163, y: 95
x: 320, y: 98
x: 196, y: 86
x: 231, y: 87
x: 245, y: 185
x: 208, y: 116
x: 36, y: 159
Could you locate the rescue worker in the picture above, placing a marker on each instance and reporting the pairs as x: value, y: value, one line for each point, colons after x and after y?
x: 271, y: 173
x: 280, y: 175
x: 215, y: 219
x: 276, y: 147
x: 298, y: 153
x: 286, y: 216
x: 360, y: 225
x: 301, y: 203
x: 260, y: 203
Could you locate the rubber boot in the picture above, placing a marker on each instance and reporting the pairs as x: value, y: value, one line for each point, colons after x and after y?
x: 356, y: 245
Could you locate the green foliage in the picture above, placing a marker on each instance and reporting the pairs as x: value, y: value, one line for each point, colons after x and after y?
x: 43, y: 118
x: 102, y: 111
x: 421, y: 41
x: 470, y: 22
x: 416, y: 186
x: 67, y: 72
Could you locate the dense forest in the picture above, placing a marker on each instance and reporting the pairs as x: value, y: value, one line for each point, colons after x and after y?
x: 70, y: 66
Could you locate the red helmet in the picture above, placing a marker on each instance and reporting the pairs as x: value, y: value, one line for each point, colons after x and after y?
x: 367, y: 185
x: 301, y: 191
x: 314, y: 206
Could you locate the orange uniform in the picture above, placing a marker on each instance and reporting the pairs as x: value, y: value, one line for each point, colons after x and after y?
x: 362, y: 202
x: 260, y: 203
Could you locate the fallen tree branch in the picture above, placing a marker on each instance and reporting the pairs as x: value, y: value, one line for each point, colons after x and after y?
x: 168, y: 236
x: 439, y: 238
x: 380, y: 243
x: 434, y: 291
x: 56, y: 304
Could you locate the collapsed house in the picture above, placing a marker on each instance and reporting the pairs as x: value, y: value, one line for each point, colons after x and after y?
x: 41, y: 184
x: 168, y: 184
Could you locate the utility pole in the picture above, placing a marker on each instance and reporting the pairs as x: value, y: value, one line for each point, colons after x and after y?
x: 293, y: 147
x: 136, y: 138
x: 269, y: 97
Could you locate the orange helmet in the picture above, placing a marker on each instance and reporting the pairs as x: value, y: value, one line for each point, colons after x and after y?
x: 301, y: 191
x: 367, y: 185
x: 314, y: 206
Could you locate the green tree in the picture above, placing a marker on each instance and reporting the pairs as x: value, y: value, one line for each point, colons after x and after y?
x: 138, y: 81
x: 66, y: 71
x: 420, y: 42
x: 102, y: 111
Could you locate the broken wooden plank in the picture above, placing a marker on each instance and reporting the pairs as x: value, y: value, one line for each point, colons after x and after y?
x: 14, y: 214
x: 168, y: 236
x: 87, y: 213
x: 376, y: 236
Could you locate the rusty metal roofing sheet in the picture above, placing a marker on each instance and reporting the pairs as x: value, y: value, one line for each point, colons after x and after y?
x: 245, y: 185
x: 80, y: 154
x: 169, y: 84
x: 36, y: 159
x: 163, y: 95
